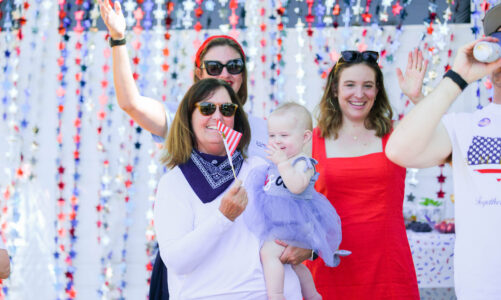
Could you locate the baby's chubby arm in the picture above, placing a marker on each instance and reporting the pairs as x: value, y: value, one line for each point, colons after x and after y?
x: 295, y: 178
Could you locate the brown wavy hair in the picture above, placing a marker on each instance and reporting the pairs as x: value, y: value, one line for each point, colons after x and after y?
x: 242, y: 92
x: 330, y: 117
x: 181, y: 139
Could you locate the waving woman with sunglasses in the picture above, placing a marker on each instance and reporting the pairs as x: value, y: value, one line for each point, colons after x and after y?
x: 354, y: 124
x: 219, y: 57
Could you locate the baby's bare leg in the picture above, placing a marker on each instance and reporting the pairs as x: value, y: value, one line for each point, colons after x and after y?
x: 273, y: 270
x: 308, y: 289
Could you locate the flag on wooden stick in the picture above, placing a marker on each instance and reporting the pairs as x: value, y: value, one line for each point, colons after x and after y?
x: 231, y: 138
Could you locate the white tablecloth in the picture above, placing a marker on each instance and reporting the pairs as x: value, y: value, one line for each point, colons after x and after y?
x: 433, y: 255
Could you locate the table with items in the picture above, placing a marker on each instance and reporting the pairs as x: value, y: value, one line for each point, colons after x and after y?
x: 433, y: 255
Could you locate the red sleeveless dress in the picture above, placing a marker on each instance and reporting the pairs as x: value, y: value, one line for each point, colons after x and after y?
x: 367, y: 192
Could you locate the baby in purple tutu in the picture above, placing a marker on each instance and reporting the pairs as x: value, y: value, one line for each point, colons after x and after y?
x: 283, y: 204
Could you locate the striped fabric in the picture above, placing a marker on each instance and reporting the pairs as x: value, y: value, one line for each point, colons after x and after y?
x: 231, y: 137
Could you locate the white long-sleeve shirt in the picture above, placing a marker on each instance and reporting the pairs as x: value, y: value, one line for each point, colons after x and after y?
x: 207, y: 255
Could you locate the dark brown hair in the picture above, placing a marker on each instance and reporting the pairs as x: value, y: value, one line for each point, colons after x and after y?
x: 181, y: 139
x: 330, y: 117
x: 242, y: 92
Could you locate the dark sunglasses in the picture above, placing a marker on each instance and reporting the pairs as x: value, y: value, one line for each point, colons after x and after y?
x: 214, y: 67
x: 208, y: 108
x: 356, y: 56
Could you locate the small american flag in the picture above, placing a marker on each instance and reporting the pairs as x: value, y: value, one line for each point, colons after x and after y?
x: 231, y: 138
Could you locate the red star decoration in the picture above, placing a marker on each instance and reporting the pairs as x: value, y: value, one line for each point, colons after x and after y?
x: 366, y: 17
x: 60, y: 185
x: 129, y: 168
x: 101, y: 116
x: 336, y: 10
x: 440, y: 194
x: 138, y: 14
x: 233, y: 4
x: 429, y: 30
x: 485, y: 5
x: 72, y: 293
x: 309, y: 18
x: 128, y: 183
x: 198, y: 12
x: 396, y: 8
x: 441, y: 178
x: 198, y: 27
x: 69, y: 275
x: 233, y: 19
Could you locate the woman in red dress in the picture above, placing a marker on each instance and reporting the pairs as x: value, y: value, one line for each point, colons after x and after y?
x: 366, y: 188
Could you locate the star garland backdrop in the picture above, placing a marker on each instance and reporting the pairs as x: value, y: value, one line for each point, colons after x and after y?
x: 79, y: 176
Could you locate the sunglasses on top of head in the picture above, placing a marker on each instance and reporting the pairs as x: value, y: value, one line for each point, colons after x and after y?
x: 356, y: 56
x: 214, y: 67
x: 208, y: 108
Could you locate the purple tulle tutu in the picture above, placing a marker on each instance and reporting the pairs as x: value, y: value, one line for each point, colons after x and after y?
x: 307, y: 220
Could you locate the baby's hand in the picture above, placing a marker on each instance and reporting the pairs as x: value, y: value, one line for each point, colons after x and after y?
x: 275, y: 154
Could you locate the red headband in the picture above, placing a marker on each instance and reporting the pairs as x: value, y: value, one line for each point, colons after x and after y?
x: 204, y: 45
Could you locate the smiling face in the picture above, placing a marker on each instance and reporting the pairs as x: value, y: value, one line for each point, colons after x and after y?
x: 208, y: 139
x: 222, y: 54
x: 287, y: 132
x: 356, y: 92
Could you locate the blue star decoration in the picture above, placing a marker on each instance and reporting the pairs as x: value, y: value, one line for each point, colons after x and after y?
x: 137, y: 145
x: 474, y: 30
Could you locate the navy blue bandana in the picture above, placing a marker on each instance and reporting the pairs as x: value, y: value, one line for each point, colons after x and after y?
x: 210, y: 175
